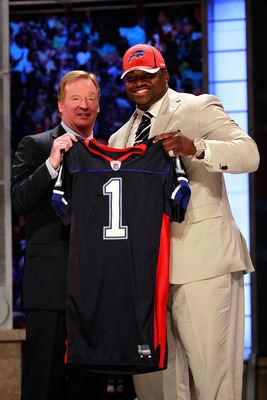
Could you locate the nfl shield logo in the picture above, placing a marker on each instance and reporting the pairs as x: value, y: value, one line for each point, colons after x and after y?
x: 115, y: 165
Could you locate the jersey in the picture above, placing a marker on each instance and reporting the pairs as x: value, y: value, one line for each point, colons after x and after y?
x: 119, y: 203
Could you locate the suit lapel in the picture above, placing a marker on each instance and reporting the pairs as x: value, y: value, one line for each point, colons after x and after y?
x: 169, y: 107
x: 58, y: 131
x: 123, y: 133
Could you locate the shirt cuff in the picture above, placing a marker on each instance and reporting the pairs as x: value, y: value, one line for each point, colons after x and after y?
x: 53, y: 172
x: 207, y: 157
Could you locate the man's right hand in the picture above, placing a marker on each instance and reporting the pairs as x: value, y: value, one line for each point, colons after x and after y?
x: 64, y: 142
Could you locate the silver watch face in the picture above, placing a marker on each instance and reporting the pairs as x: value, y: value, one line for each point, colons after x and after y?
x: 200, y: 144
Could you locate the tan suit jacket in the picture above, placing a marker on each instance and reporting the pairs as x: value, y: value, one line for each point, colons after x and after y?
x: 208, y: 243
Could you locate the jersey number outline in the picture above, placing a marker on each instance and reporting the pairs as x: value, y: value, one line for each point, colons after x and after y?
x: 115, y: 230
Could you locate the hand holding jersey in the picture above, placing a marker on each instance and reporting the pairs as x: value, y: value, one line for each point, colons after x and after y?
x: 62, y: 143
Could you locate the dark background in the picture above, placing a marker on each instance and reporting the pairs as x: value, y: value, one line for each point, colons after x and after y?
x: 259, y: 100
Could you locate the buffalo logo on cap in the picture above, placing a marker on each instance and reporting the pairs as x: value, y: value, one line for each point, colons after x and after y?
x: 142, y: 57
x: 136, y: 54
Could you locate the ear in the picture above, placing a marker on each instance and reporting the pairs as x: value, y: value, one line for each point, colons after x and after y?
x: 60, y: 106
x: 166, y: 75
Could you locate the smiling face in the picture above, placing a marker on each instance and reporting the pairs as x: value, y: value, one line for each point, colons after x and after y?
x: 80, y: 106
x: 145, y: 89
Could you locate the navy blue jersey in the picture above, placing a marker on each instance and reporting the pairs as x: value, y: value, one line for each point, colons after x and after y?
x: 119, y: 203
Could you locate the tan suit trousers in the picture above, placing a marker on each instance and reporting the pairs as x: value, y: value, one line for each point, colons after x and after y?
x: 206, y: 333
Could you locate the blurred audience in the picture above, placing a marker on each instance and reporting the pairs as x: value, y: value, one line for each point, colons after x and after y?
x: 44, y: 47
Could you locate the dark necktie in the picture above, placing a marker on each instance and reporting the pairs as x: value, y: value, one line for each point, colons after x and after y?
x: 143, y: 128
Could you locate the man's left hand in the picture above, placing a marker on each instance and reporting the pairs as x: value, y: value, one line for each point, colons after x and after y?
x: 178, y: 143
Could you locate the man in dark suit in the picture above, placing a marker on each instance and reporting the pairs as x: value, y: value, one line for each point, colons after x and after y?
x: 35, y: 168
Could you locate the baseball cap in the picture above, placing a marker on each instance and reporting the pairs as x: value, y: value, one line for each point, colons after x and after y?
x: 142, y: 57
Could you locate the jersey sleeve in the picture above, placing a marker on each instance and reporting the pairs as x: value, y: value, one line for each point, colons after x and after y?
x: 179, y: 191
x: 61, y: 195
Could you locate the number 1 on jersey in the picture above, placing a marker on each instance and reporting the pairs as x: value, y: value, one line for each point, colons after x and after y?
x: 115, y: 230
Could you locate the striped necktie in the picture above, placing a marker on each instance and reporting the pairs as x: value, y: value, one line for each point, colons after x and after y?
x: 143, y: 128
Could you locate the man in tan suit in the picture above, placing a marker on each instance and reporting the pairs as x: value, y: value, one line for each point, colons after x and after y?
x: 209, y: 255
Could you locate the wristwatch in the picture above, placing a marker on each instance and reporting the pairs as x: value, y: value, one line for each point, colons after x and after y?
x: 200, y: 146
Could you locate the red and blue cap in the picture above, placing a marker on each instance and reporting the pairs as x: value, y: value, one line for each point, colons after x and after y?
x: 142, y: 57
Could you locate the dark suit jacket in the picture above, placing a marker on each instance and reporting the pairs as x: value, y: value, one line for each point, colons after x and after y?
x: 45, y: 268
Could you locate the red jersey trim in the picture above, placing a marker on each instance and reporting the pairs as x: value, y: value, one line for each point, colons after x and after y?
x: 161, y: 290
x: 140, y: 149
